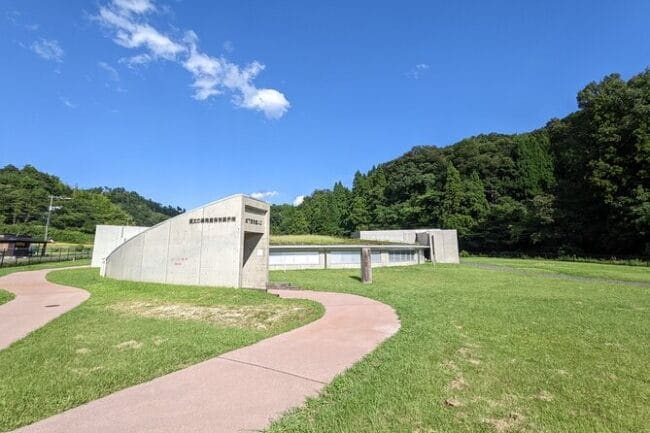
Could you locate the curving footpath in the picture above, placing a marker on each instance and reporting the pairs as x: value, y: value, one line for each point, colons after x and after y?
x: 37, y: 302
x: 243, y: 390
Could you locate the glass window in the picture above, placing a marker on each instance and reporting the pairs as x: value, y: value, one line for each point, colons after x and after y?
x: 401, y: 256
x: 293, y: 258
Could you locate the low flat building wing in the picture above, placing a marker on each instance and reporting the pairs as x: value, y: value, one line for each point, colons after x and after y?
x: 443, y: 244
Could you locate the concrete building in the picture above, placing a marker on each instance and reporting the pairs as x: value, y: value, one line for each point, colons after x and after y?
x: 443, y: 244
x: 224, y: 243
x: 286, y: 257
x: 107, y: 238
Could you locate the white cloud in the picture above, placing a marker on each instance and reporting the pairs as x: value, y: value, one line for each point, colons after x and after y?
x: 298, y: 200
x: 113, y: 75
x: 269, y: 101
x: 263, y: 195
x: 417, y: 71
x: 135, y: 6
x: 228, y: 46
x: 48, y: 49
x: 137, y: 60
x: 65, y: 101
x: 32, y: 27
x: 212, y: 75
x: 131, y: 33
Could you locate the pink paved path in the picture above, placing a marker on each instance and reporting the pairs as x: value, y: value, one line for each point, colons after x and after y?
x: 37, y: 302
x: 242, y: 390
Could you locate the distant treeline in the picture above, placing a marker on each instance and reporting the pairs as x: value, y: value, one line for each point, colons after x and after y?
x: 24, y: 198
x: 578, y: 186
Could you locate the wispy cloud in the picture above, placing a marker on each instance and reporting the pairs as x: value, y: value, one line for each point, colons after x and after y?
x: 32, y: 27
x: 48, y: 49
x: 263, y: 195
x: 114, y: 81
x: 298, y: 200
x: 112, y: 73
x: 65, y: 101
x: 135, y: 61
x: 212, y: 76
x: 228, y: 46
x: 12, y: 16
x: 417, y: 71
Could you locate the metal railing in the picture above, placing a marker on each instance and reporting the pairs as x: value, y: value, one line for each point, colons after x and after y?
x: 58, y: 255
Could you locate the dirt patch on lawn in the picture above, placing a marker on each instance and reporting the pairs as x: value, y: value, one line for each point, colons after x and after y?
x: 511, y: 422
x: 261, y: 317
x: 459, y: 383
x: 131, y: 344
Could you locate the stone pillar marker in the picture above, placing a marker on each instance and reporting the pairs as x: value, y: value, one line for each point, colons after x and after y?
x: 366, y: 266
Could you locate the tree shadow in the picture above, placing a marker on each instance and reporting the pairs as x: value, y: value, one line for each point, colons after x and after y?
x: 356, y: 277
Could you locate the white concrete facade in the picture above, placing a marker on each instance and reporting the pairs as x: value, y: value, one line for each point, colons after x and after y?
x: 287, y: 257
x: 108, y: 237
x: 224, y: 243
x: 443, y: 244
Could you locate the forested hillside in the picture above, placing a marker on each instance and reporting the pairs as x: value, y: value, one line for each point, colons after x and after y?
x: 579, y: 185
x: 24, y: 198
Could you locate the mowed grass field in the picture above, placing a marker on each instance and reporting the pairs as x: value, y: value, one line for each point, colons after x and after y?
x: 589, y: 270
x: 128, y: 333
x: 490, y: 350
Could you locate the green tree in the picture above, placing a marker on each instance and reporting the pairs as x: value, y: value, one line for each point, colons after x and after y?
x: 359, y: 217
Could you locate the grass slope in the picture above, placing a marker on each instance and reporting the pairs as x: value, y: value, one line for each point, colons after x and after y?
x: 488, y: 351
x: 320, y: 240
x: 587, y: 270
x: 97, y: 348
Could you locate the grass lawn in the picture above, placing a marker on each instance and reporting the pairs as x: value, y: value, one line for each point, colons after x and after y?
x: 5, y: 296
x: 589, y: 270
x: 128, y: 333
x: 50, y: 265
x: 490, y: 351
x: 320, y: 240
x: 67, y: 245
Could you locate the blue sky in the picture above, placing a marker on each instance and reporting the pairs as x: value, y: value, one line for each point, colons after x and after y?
x: 189, y: 101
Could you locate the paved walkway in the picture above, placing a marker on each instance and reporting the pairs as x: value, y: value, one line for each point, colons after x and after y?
x: 37, y: 302
x: 242, y: 390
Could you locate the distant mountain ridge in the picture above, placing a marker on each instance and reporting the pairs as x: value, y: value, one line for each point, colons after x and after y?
x: 24, y: 199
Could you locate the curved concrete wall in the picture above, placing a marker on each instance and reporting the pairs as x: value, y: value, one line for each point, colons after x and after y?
x: 224, y: 243
x: 108, y: 237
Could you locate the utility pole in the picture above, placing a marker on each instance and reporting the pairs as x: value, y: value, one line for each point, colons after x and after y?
x: 47, y: 223
x: 50, y: 208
